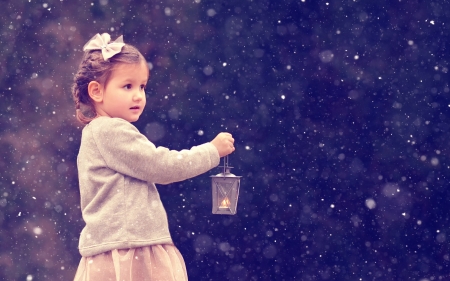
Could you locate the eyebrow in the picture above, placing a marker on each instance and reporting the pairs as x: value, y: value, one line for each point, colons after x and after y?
x: 131, y: 81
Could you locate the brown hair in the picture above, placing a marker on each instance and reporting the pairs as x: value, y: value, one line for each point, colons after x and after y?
x: 94, y: 68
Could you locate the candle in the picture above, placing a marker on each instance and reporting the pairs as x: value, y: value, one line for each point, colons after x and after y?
x: 225, y: 204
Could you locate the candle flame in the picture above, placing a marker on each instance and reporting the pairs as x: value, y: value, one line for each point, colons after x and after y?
x: 225, y: 203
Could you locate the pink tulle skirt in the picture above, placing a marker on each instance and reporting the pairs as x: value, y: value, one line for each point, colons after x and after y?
x: 151, y: 263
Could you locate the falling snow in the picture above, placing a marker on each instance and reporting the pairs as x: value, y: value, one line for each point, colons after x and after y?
x: 340, y: 113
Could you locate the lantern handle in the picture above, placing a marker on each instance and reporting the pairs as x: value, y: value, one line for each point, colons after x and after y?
x: 225, y: 164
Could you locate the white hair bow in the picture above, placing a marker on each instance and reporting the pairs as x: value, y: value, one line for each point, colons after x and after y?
x: 102, y: 42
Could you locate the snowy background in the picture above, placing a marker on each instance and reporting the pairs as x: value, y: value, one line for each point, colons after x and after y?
x: 340, y: 111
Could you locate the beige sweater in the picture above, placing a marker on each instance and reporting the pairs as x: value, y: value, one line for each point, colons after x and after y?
x: 118, y: 168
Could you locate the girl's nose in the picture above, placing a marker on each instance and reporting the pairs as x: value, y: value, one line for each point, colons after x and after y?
x: 138, y: 95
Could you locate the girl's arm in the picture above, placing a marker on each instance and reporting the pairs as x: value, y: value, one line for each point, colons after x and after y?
x: 125, y: 150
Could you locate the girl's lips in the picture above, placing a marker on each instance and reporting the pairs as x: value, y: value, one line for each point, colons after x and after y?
x: 134, y: 107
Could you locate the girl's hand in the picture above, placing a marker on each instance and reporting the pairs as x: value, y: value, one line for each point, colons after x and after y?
x: 224, y: 143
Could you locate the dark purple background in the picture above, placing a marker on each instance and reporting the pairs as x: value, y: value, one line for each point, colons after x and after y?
x: 340, y: 111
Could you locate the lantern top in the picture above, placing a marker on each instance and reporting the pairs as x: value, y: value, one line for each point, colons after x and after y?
x: 226, y: 173
x: 230, y: 175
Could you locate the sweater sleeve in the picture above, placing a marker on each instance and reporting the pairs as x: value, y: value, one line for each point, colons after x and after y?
x: 125, y: 150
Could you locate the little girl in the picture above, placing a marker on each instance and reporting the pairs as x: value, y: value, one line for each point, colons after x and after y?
x: 126, y: 236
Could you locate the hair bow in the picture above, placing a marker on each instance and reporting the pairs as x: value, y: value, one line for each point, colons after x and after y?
x: 102, y: 42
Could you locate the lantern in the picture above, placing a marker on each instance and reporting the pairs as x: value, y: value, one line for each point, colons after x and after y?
x: 225, y: 191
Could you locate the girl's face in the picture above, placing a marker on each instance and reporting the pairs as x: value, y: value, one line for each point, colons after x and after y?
x: 124, y: 93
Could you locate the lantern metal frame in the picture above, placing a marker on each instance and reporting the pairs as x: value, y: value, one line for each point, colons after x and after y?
x: 225, y: 191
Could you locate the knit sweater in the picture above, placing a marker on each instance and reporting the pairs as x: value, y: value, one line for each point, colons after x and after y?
x: 118, y: 168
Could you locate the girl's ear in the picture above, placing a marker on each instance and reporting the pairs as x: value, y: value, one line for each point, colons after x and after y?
x: 95, y: 90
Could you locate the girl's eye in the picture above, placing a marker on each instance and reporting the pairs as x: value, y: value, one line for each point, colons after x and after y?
x: 142, y: 87
x: 128, y: 86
